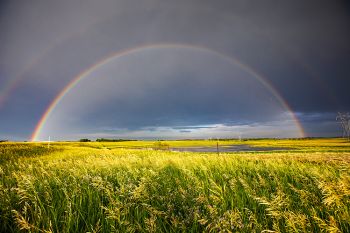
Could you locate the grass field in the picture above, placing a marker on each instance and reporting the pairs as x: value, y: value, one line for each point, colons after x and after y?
x: 128, y: 187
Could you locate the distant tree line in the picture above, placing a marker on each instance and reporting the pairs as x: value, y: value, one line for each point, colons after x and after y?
x: 107, y: 140
x: 114, y: 140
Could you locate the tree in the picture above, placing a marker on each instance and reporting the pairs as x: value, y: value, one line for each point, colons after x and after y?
x: 344, y: 120
x: 84, y: 140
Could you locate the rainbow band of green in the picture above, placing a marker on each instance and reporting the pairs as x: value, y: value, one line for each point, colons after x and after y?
x: 122, y: 53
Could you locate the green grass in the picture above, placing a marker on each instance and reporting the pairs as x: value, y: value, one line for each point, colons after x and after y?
x: 112, y: 187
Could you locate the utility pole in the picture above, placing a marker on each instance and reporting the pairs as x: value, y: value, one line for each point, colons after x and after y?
x: 344, y: 120
x: 48, y: 144
x: 217, y: 146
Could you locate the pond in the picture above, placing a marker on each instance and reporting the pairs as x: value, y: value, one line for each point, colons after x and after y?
x: 227, y: 148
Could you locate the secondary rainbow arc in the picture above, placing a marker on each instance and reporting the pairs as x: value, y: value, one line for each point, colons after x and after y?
x: 120, y: 54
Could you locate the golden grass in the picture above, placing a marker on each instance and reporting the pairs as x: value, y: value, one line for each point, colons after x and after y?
x: 104, y: 187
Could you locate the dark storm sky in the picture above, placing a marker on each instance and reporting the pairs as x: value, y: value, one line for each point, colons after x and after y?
x: 301, y: 47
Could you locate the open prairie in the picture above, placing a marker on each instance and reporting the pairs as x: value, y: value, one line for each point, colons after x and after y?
x: 146, y: 186
x: 174, y: 116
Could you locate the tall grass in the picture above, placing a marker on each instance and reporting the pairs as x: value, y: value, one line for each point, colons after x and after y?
x: 77, y: 188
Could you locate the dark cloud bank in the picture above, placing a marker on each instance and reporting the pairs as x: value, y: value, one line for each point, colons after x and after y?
x: 301, y: 47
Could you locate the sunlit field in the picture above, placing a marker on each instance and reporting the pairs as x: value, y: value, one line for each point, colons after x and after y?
x: 141, y: 186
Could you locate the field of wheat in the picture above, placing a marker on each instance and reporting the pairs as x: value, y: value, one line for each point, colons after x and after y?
x: 130, y: 187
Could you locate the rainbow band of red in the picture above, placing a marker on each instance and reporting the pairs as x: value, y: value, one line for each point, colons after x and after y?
x: 125, y: 52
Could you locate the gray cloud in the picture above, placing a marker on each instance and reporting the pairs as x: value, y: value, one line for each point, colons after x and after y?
x: 301, y: 47
x: 163, y: 87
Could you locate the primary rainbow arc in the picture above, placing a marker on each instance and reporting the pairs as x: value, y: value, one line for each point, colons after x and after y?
x: 119, y: 54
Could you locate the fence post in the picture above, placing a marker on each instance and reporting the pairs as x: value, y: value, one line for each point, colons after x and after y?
x: 217, y: 147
